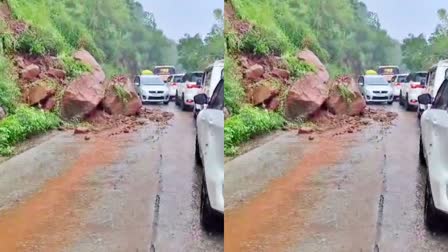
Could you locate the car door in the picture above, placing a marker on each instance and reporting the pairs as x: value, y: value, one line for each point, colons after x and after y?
x: 210, y: 126
x: 434, y: 128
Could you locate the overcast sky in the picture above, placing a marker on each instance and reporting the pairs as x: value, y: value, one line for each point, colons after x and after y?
x: 401, y: 17
x: 177, y: 17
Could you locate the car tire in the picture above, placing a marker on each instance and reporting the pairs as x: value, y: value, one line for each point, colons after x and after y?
x: 432, y: 215
x: 390, y: 103
x: 421, y: 155
x: 197, y: 155
x: 182, y: 103
x: 406, y: 104
x: 166, y: 102
x: 209, y: 218
x: 176, y: 100
x: 400, y: 99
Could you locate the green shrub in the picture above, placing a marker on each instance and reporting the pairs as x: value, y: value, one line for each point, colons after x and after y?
x: 261, y: 41
x: 122, y: 94
x: 250, y: 122
x: 346, y: 93
x: 9, y: 91
x: 37, y: 41
x: 25, y: 123
x: 296, y: 67
x: 73, y: 67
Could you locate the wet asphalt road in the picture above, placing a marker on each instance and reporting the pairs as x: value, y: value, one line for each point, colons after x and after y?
x: 131, y: 192
x: 356, y: 192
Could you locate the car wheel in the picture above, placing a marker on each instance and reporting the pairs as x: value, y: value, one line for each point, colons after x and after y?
x: 400, y: 100
x: 166, y: 102
x: 390, y: 103
x: 208, y: 217
x: 182, y: 103
x: 421, y: 153
x: 176, y: 99
x: 406, y: 104
x: 432, y: 216
x: 197, y: 154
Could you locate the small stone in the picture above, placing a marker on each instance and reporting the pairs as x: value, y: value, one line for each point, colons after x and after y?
x: 81, y: 130
x: 126, y: 131
x: 87, y: 138
x: 305, y: 130
x: 311, y: 138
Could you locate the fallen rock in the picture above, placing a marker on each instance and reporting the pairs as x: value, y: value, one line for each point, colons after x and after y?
x: 254, y: 72
x: 56, y: 73
x: 38, y: 93
x: 49, y: 104
x: 114, y: 105
x: 338, y: 104
x: 2, y: 113
x: 82, y: 96
x: 81, y: 130
x: 87, y: 58
x: 87, y: 138
x: 260, y: 94
x: 30, y: 73
x: 311, y: 138
x: 305, y: 97
x: 311, y: 58
x: 280, y: 73
x: 274, y: 104
x: 306, y: 130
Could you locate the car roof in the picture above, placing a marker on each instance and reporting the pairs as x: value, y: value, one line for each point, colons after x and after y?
x: 388, y: 66
x: 443, y: 62
x: 164, y: 66
x: 367, y: 75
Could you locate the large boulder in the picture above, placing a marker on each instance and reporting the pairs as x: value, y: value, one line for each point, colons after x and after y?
x: 82, y: 96
x: 128, y: 105
x: 280, y: 73
x: 38, y: 93
x: 254, y: 73
x: 30, y: 73
x: 311, y: 58
x: 87, y: 58
x: 56, y: 73
x: 261, y: 93
x: 351, y: 103
x: 305, y: 97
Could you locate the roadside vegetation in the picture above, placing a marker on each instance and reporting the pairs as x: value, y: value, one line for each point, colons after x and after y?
x: 420, y: 53
x: 345, y: 36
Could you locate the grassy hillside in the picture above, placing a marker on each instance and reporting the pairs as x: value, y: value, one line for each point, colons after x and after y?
x: 343, y: 34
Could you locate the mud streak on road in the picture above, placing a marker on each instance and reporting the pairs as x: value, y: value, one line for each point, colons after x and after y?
x: 270, y: 221
x: 51, y: 217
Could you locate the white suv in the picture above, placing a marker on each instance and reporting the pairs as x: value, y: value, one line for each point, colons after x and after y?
x: 411, y: 89
x: 187, y: 89
x: 212, y: 75
x: 433, y: 147
x: 436, y: 75
x: 210, y: 155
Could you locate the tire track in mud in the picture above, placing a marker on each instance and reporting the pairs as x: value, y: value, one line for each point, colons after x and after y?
x: 49, y: 219
x: 270, y: 220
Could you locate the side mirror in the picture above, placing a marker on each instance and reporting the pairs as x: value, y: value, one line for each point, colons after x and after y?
x: 199, y: 82
x: 425, y: 99
x: 200, y: 99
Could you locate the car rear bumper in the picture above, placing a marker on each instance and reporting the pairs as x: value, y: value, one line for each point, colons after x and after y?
x: 189, y: 97
x: 397, y: 91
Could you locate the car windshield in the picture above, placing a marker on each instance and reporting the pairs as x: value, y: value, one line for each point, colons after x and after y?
x: 388, y: 70
x: 151, y: 80
x: 164, y: 70
x: 401, y: 78
x: 375, y: 80
x: 178, y: 78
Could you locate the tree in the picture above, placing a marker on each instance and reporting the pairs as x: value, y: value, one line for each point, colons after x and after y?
x: 415, y: 50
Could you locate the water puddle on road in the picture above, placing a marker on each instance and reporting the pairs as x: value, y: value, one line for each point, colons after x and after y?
x: 49, y: 219
x: 274, y: 219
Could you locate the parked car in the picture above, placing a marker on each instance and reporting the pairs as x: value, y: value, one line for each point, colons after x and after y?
x: 187, y: 89
x: 436, y: 75
x: 388, y: 71
x: 164, y: 71
x: 433, y: 147
x: 212, y: 75
x: 397, y: 81
x: 173, y: 81
x: 210, y: 156
x: 411, y: 89
x: 375, y: 88
x: 151, y: 88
